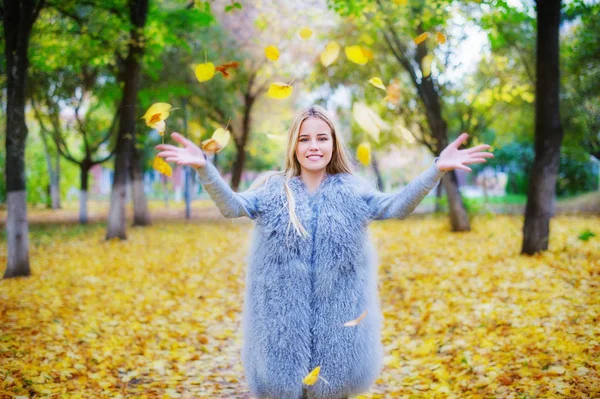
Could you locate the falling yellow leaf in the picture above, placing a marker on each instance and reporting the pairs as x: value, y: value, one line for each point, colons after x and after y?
x: 393, y: 92
x: 377, y: 83
x: 161, y: 166
x: 272, y: 53
x: 223, y: 68
x: 426, y: 65
x: 205, y: 71
x: 312, y: 377
x: 368, y: 120
x: 156, y: 113
x: 305, y: 33
x: 401, y: 2
x: 368, y: 53
x: 330, y: 54
x: 217, y: 142
x: 407, y: 134
x: 355, y: 322
x: 279, y: 90
x: 363, y: 153
x: 421, y: 38
x: 356, y: 54
x: 440, y: 38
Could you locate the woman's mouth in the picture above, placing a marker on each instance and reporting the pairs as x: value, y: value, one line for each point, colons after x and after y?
x: 314, y: 157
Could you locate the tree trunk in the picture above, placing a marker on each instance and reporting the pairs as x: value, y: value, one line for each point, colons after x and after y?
x: 438, y: 198
x: 19, y: 16
x: 439, y: 128
x: 548, y: 131
x: 238, y: 166
x: 126, y: 138
x: 84, y: 169
x: 377, y: 172
x: 141, y: 216
x: 459, y: 220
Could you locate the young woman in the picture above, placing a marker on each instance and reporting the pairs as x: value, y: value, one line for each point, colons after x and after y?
x: 311, y: 266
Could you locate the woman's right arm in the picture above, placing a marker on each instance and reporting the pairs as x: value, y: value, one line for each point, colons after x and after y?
x: 230, y: 203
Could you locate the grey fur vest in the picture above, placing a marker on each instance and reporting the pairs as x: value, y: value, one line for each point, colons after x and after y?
x: 301, y: 290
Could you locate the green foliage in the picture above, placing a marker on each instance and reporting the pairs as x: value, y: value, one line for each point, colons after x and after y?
x: 586, y: 235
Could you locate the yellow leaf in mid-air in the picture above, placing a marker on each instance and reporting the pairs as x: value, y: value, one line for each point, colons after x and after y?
x: 426, y: 65
x: 440, y: 38
x: 272, y: 53
x: 393, y: 92
x: 363, y: 154
x: 156, y: 113
x: 312, y: 377
x: 401, y: 2
x: 330, y: 54
x: 368, y: 120
x: 356, y: 54
x: 161, y: 166
x: 217, y: 142
x: 421, y: 38
x: 205, y: 71
x: 355, y: 322
x: 279, y: 90
x: 305, y: 33
x: 377, y: 83
x: 407, y: 134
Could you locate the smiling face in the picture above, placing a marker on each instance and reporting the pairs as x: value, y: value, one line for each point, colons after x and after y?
x: 315, y: 145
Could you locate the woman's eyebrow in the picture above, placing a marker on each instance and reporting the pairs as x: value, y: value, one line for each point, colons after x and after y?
x: 318, y: 134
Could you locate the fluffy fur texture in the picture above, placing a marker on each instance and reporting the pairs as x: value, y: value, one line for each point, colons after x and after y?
x: 300, y: 291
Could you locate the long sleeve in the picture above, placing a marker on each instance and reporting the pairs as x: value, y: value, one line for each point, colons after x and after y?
x: 400, y: 204
x: 230, y: 203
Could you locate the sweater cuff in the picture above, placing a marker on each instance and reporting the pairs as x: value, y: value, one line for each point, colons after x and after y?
x: 433, y: 172
x: 208, y: 173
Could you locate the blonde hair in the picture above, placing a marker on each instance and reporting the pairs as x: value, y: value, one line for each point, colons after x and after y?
x: 339, y: 163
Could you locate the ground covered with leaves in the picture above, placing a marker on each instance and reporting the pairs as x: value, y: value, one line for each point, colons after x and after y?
x: 158, y: 315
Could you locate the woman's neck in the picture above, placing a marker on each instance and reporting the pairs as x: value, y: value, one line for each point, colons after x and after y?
x: 312, y: 179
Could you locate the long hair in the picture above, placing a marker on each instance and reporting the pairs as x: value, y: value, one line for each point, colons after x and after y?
x: 339, y: 163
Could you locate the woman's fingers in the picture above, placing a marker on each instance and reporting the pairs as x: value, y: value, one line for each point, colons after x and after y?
x: 172, y: 159
x: 180, y: 139
x: 481, y: 154
x: 167, y: 154
x: 459, y: 140
x: 477, y: 148
x: 476, y: 160
x: 167, y: 147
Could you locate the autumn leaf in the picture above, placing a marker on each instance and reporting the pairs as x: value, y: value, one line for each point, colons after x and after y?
x: 217, y: 142
x: 305, y: 33
x: 363, y: 153
x: 355, y: 322
x: 357, y: 54
x: 401, y: 2
x: 161, y: 166
x: 421, y: 38
x: 312, y: 377
x: 426, y: 65
x: 156, y: 113
x: 377, y: 83
x: 279, y: 90
x: 440, y: 38
x: 408, y: 136
x: 393, y: 92
x: 330, y: 54
x: 272, y: 53
x: 205, y: 72
x: 224, y: 67
x: 368, y: 120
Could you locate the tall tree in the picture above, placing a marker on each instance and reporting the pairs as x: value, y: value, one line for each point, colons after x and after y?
x: 548, y: 130
x: 138, y: 11
x: 18, y: 19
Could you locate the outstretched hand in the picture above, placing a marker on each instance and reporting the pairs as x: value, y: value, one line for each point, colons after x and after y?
x: 190, y: 154
x: 452, y: 158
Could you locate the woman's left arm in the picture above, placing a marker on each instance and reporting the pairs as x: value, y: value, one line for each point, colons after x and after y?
x: 402, y: 203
